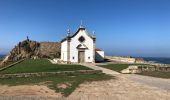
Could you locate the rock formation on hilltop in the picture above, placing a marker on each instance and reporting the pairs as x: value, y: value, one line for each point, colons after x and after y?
x: 33, y: 49
x: 24, y: 49
x: 49, y: 50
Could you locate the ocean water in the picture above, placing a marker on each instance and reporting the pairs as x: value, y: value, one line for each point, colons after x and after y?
x: 2, y: 56
x: 151, y: 59
x: 158, y: 59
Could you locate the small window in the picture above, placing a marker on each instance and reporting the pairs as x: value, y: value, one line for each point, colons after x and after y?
x: 88, y: 57
x: 73, y: 57
x: 81, y: 39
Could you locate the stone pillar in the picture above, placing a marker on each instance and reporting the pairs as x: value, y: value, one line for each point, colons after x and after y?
x: 68, y: 46
x: 94, y: 47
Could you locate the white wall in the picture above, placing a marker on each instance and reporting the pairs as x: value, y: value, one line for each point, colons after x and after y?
x: 122, y: 59
x: 74, y: 43
x: 99, y: 55
x: 64, y: 51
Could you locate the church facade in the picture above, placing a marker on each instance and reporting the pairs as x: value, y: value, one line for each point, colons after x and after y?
x: 78, y: 48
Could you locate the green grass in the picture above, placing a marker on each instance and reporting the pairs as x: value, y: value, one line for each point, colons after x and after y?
x: 158, y: 74
x: 117, y: 67
x: 72, y: 80
x: 52, y: 82
x: 40, y: 65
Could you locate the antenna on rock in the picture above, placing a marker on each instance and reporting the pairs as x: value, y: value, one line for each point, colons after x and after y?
x: 27, y: 36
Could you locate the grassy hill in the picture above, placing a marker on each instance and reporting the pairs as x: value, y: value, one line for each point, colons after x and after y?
x: 41, y: 65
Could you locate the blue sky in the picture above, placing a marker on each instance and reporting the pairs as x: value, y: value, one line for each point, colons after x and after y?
x: 123, y: 27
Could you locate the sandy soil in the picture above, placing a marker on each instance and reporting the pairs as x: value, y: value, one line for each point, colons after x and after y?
x: 119, y: 89
x: 27, y: 90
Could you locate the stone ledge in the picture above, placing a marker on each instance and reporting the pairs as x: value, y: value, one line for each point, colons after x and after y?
x: 144, y: 68
x: 153, y: 68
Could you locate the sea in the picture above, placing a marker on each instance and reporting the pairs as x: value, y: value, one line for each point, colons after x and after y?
x: 163, y: 60
x: 1, y: 57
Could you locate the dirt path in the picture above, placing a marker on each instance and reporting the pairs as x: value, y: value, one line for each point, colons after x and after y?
x: 27, y: 91
x: 160, y: 83
x: 163, y: 84
x: 119, y: 89
x: 122, y: 88
x: 28, y: 98
x: 104, y: 70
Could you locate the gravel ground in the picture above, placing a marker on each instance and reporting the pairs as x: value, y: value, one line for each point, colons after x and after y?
x: 120, y: 88
x: 160, y: 83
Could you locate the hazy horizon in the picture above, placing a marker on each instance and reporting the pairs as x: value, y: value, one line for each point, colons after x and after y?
x: 123, y: 27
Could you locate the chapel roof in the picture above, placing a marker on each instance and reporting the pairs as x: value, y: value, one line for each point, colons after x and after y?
x: 97, y: 49
x: 80, y: 28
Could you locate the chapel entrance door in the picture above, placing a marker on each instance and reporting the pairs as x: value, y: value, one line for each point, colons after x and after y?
x: 81, y: 57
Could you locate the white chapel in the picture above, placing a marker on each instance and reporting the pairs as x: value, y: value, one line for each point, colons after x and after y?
x: 80, y: 47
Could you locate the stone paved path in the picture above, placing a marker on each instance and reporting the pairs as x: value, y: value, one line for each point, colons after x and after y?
x: 104, y: 70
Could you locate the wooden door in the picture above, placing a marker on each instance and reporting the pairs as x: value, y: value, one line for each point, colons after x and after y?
x: 81, y: 57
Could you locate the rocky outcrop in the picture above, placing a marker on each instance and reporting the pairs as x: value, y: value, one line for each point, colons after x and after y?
x: 33, y: 49
x: 131, y: 69
x: 50, y: 50
x: 24, y: 49
x: 139, y: 60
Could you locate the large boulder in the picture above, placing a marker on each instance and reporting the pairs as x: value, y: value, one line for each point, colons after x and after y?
x: 131, y: 69
x: 24, y: 49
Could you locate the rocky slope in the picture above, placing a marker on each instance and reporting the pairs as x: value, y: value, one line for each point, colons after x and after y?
x: 33, y: 49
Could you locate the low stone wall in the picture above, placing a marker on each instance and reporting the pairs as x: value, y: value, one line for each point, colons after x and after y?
x: 144, y: 68
x: 42, y: 74
x: 153, y: 68
x: 124, y: 59
x: 121, y: 59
